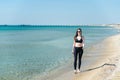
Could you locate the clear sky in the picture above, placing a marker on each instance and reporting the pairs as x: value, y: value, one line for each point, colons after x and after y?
x: 59, y: 12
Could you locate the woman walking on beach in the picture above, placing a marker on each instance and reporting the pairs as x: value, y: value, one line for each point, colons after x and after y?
x: 78, y: 49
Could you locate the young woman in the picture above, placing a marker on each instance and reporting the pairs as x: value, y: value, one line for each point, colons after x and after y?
x: 78, y: 49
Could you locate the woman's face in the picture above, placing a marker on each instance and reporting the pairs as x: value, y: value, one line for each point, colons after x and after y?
x: 79, y: 33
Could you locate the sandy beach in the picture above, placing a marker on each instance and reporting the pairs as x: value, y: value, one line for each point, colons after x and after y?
x: 107, y: 63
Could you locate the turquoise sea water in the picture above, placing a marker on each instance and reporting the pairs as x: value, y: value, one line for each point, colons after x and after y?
x: 30, y: 50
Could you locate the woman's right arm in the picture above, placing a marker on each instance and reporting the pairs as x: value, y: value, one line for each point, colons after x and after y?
x: 73, y: 47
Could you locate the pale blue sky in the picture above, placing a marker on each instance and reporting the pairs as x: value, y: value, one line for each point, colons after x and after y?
x: 59, y: 12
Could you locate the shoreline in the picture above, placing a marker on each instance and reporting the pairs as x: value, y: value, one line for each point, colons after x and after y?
x: 67, y: 71
x: 104, y: 67
x: 104, y: 64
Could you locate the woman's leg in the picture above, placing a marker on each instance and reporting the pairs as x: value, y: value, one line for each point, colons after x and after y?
x: 80, y: 56
x: 75, y: 58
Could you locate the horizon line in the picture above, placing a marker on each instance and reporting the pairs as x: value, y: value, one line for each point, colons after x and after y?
x: 58, y: 24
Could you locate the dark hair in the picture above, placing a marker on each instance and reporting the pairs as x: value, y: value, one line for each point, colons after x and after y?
x: 77, y: 33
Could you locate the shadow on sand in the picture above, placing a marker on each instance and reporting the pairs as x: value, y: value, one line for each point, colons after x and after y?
x: 99, y: 67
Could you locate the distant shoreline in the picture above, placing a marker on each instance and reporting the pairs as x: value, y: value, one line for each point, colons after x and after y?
x: 59, y: 25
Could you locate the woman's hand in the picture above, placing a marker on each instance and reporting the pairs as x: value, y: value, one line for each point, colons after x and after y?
x: 83, y: 45
x: 72, y: 52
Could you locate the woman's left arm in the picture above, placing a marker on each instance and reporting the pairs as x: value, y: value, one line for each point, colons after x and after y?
x: 83, y: 43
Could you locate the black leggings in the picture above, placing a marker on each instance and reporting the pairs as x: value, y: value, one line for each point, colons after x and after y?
x: 77, y: 51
